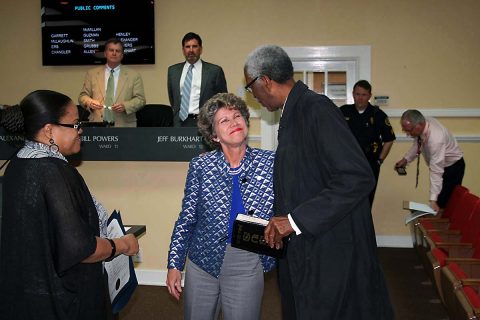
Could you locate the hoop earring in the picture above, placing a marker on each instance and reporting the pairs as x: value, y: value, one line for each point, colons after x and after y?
x: 53, y: 147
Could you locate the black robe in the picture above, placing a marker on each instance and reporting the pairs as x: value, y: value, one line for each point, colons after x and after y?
x: 321, y: 177
x: 49, y: 226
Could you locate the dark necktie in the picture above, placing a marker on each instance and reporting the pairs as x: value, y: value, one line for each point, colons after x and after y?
x: 419, y: 150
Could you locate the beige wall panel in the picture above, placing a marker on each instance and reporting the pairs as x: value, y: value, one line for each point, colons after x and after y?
x: 147, y: 193
x: 255, y: 129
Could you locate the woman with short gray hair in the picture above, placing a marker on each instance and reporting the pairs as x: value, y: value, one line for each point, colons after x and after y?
x: 220, y: 184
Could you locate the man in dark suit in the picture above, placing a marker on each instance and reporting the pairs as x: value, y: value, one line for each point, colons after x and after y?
x: 205, y: 80
x: 321, y: 185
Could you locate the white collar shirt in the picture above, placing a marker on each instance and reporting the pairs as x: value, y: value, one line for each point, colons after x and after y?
x: 194, y: 107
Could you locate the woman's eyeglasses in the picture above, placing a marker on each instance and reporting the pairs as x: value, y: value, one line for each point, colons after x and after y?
x: 77, y: 126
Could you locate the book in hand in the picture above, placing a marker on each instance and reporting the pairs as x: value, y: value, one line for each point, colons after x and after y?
x: 248, y: 235
x: 417, y: 210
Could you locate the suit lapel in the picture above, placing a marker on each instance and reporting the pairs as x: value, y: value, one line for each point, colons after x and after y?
x: 122, y: 79
x: 101, y: 82
x: 297, y: 91
x: 176, y: 82
x: 205, y: 74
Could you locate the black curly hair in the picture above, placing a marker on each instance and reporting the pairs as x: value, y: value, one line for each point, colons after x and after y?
x: 11, y: 119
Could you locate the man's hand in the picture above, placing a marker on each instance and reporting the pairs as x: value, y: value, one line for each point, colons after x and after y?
x: 434, y: 205
x: 401, y: 164
x: 276, y: 230
x: 94, y: 104
x: 118, y: 107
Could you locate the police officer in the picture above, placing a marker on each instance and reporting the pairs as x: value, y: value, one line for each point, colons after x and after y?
x: 370, y: 126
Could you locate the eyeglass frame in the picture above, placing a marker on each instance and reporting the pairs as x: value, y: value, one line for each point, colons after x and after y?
x: 77, y: 126
x: 247, y: 87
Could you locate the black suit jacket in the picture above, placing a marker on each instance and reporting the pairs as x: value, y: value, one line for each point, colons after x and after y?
x: 213, y: 82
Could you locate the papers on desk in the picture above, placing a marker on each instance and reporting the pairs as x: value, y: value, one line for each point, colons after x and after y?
x: 122, y: 279
x: 417, y: 210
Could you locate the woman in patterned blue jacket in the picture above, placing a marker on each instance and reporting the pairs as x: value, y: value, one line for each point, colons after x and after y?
x: 220, y: 184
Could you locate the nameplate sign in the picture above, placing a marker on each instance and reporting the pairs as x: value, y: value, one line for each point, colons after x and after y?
x: 127, y: 144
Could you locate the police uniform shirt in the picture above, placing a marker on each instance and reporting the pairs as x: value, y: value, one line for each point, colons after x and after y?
x: 371, y: 128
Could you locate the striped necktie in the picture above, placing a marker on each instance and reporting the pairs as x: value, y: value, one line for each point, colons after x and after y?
x: 186, y: 89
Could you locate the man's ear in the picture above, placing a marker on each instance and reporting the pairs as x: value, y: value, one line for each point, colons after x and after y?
x: 269, y: 83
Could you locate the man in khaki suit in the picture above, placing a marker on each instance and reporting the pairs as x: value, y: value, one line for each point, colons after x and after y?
x: 128, y: 96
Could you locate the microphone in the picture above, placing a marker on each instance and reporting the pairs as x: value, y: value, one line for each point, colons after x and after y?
x: 244, y: 180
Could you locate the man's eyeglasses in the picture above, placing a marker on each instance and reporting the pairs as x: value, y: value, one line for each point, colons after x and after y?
x: 77, y: 126
x: 247, y: 87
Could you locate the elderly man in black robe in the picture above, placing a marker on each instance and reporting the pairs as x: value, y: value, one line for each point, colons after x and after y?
x: 322, y: 182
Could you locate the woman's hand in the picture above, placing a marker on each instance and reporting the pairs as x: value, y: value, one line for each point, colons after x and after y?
x: 174, y: 283
x: 129, y: 245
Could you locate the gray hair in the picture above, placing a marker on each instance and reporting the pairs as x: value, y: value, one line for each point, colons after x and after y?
x: 271, y: 61
x: 413, y: 116
x: 207, y: 114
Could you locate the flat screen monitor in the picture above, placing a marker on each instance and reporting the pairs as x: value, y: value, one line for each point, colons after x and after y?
x: 74, y: 32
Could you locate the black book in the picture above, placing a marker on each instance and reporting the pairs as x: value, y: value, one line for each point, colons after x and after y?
x: 248, y: 235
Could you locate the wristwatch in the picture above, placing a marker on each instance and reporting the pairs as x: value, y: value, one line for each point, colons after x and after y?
x: 379, y: 161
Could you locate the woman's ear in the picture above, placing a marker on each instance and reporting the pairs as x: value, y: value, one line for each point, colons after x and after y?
x: 45, y: 134
x: 47, y: 130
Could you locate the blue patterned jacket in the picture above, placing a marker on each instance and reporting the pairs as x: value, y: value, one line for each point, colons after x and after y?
x: 202, y: 226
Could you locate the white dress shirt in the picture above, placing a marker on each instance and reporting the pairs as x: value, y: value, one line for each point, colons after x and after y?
x: 194, y: 107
